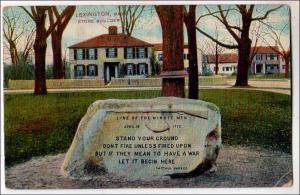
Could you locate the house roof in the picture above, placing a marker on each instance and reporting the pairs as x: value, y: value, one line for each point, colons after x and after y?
x: 158, y: 46
x: 233, y: 57
x: 261, y: 49
x: 111, y: 40
x: 224, y: 58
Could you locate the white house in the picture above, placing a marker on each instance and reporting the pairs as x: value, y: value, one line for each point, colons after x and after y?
x: 159, y: 56
x: 227, y: 63
x: 265, y: 61
x: 111, y: 55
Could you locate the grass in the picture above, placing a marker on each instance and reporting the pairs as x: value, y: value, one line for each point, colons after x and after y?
x: 40, y: 125
x: 263, y: 76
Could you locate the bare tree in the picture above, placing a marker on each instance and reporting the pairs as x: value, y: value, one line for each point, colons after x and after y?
x: 240, y: 34
x: 129, y: 14
x: 39, y: 15
x: 63, y: 19
x: 190, y: 23
x: 15, y: 30
x: 212, y: 48
x: 171, y: 20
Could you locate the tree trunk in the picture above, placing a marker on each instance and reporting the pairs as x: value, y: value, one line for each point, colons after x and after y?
x: 40, y: 47
x: 217, y: 60
x: 13, y: 54
x: 58, y: 72
x: 287, y: 67
x: 244, y: 50
x: 171, y: 19
x: 243, y: 63
x: 190, y: 22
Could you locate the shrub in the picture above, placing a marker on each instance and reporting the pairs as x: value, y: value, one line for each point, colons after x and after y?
x: 22, y: 71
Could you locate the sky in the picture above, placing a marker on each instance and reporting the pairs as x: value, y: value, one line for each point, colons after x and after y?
x: 91, y: 21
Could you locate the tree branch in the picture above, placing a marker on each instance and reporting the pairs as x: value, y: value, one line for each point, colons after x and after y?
x: 266, y: 14
x: 33, y: 17
x: 216, y: 41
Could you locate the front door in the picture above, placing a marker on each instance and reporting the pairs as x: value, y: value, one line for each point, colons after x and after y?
x: 110, y: 69
x: 259, y: 68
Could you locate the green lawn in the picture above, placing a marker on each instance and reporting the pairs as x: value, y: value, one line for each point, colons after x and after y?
x: 263, y: 76
x: 39, y: 125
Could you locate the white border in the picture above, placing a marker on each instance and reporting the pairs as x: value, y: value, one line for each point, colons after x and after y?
x: 294, y: 5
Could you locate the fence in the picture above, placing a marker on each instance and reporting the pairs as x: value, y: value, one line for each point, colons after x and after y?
x: 57, y: 83
x: 118, y: 82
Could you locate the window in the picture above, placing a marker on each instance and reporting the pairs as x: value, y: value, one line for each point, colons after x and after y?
x: 79, y: 70
x: 92, y: 70
x: 91, y: 54
x: 129, y: 69
x: 129, y: 53
x: 273, y: 56
x: 142, y: 53
x: 111, y: 52
x: 258, y: 56
x: 80, y: 54
x: 142, y: 69
x: 160, y: 57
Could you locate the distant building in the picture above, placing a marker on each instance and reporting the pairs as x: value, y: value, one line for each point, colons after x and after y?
x: 265, y: 61
x: 227, y: 63
x: 111, y: 55
x: 159, y: 56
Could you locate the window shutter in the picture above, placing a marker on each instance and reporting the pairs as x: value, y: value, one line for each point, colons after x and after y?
x: 138, y: 69
x: 83, y: 54
x: 106, y: 52
x: 75, y: 54
x: 96, y: 70
x: 133, y: 52
x: 146, y: 52
x: 137, y: 52
x: 146, y: 69
x: 116, y: 52
x: 87, y: 54
x: 83, y: 68
x: 134, y: 69
x: 125, y: 52
x: 96, y: 54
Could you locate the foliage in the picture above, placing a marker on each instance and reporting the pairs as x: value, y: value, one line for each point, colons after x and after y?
x: 206, y: 71
x: 49, y: 72
x: 22, y: 71
x: 248, y: 117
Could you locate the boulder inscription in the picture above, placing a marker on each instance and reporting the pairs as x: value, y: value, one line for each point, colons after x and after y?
x: 165, y: 136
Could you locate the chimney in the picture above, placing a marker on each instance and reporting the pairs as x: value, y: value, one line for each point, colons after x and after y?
x: 112, y: 30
